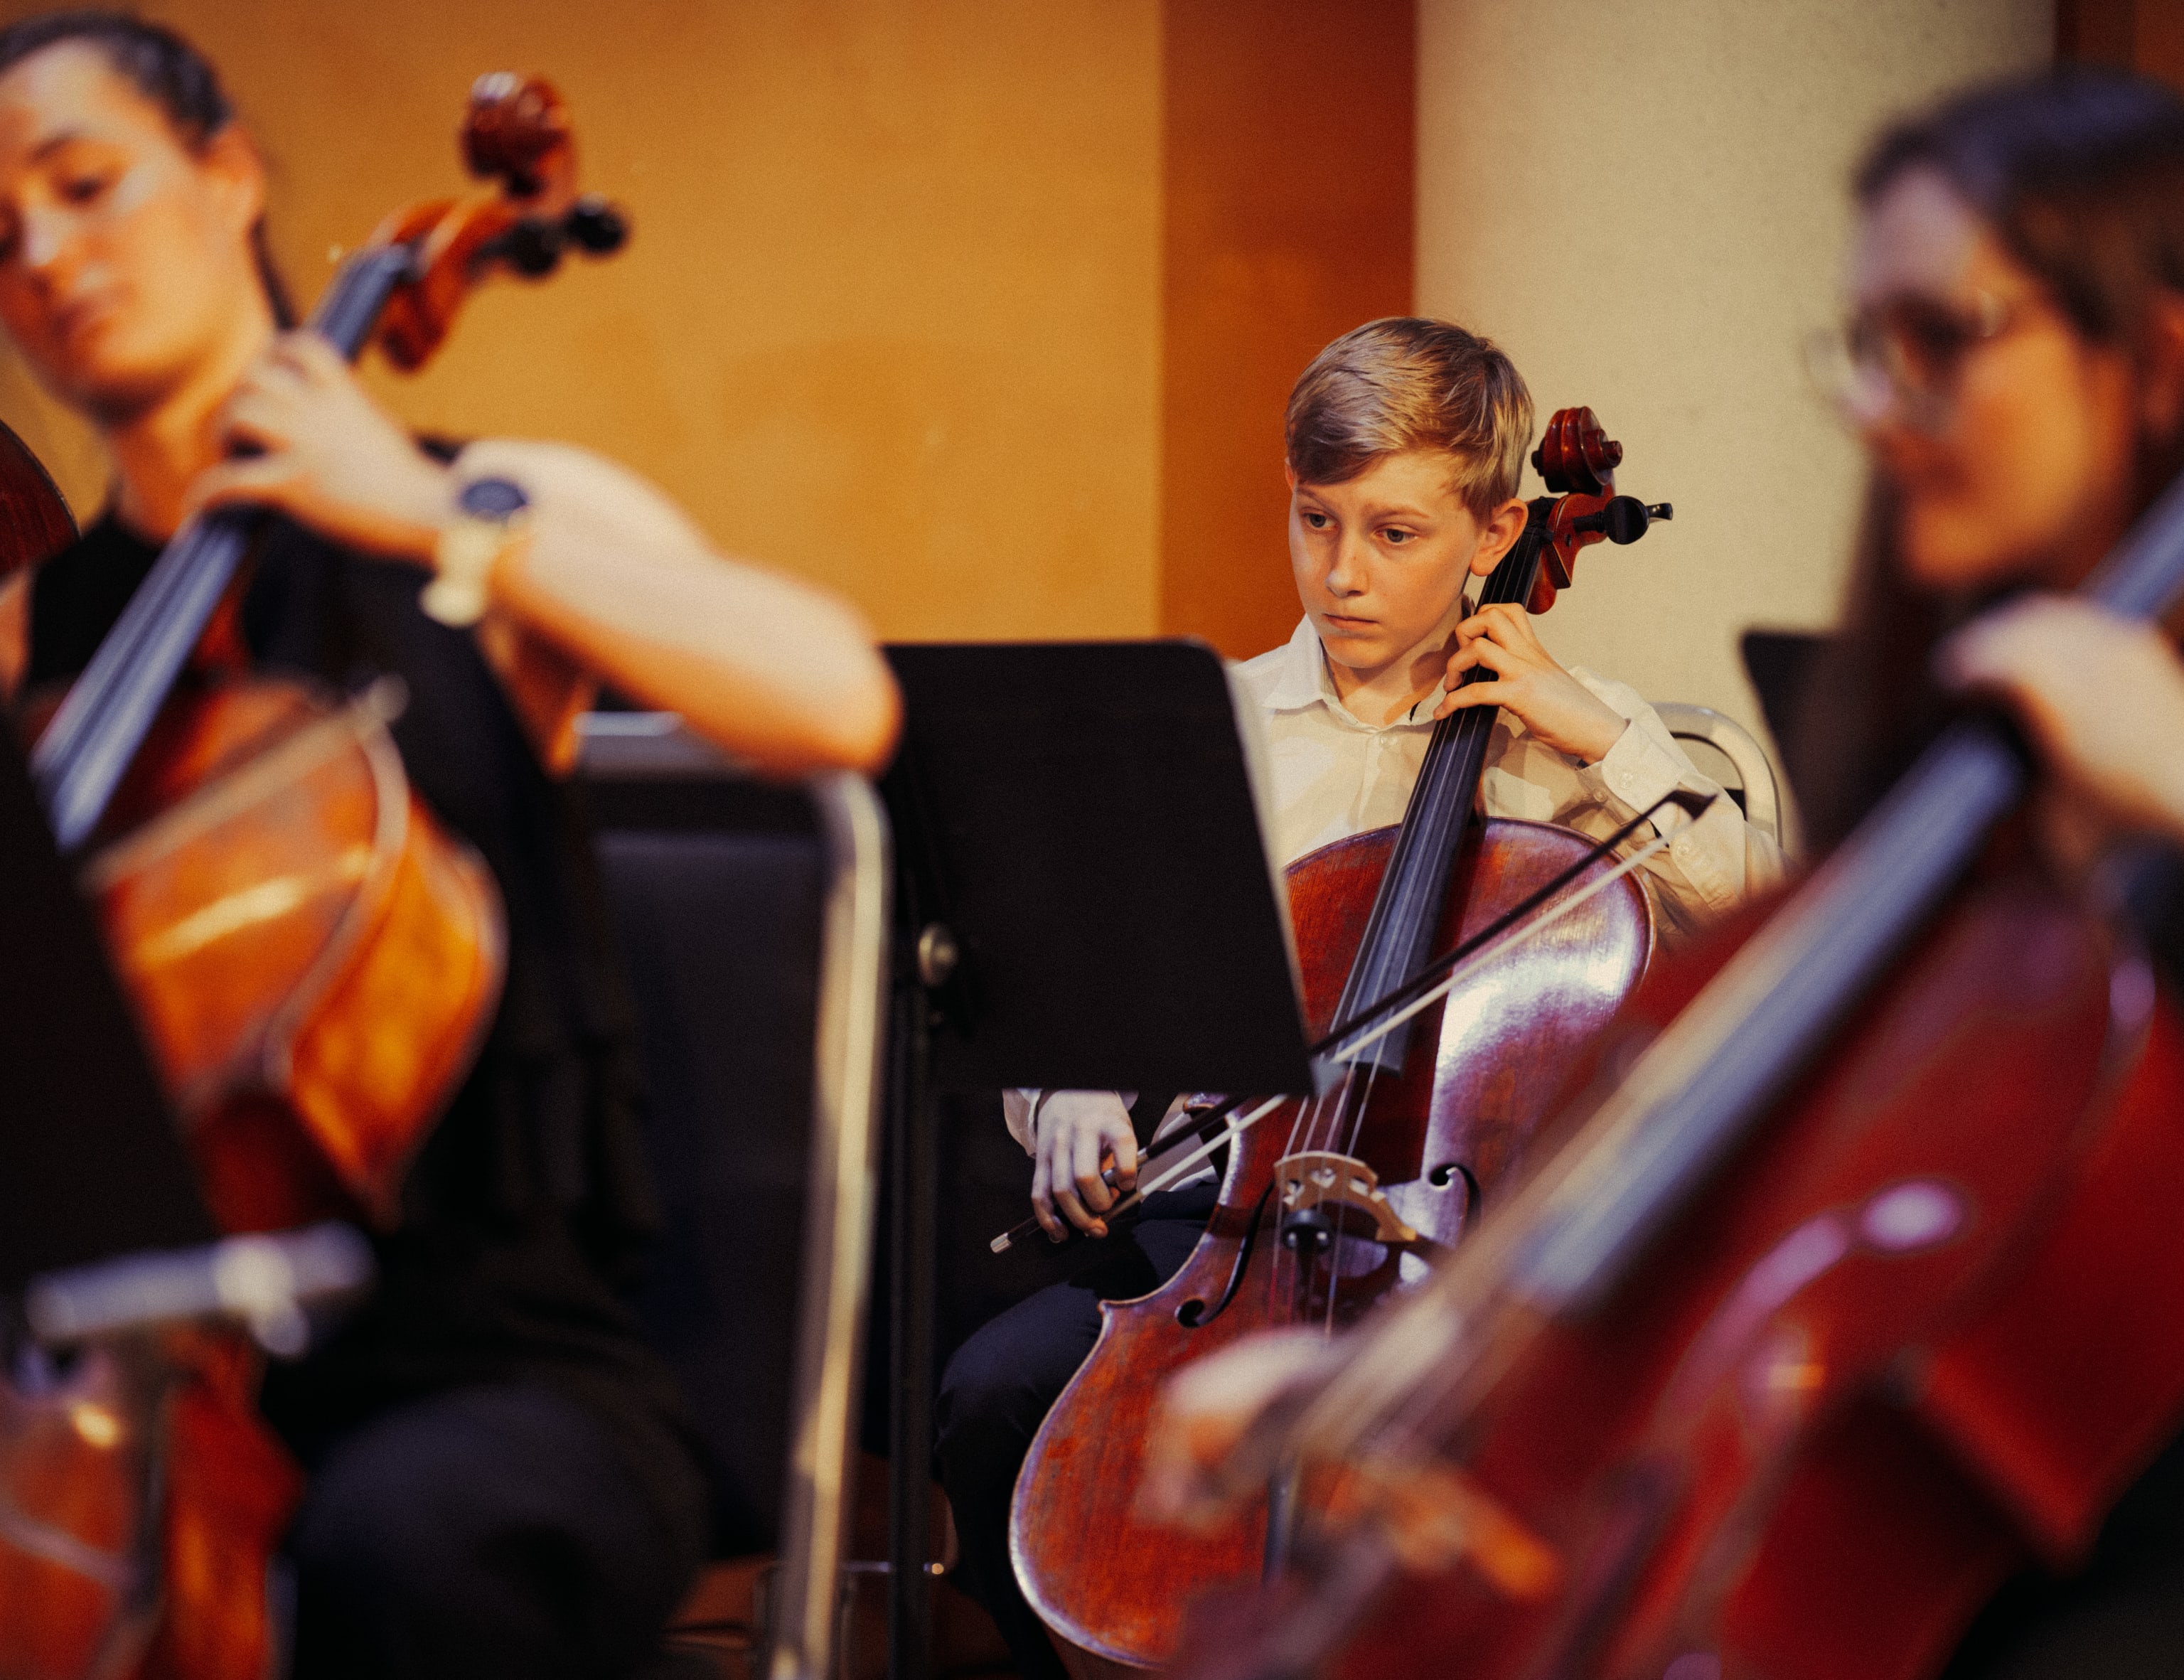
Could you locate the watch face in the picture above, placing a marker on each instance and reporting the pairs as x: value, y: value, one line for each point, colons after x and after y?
x: 492, y: 498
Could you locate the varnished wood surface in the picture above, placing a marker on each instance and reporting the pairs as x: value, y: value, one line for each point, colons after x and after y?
x: 1499, y: 1046
x: 1802, y: 1438
x: 150, y: 1448
x: 311, y: 956
x: 35, y: 522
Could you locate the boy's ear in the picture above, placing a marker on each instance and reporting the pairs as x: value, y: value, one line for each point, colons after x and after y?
x: 1498, y: 536
x: 1289, y: 472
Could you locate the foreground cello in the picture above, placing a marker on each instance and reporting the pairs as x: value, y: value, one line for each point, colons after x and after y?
x: 312, y: 959
x: 1859, y: 1288
x: 1328, y: 1204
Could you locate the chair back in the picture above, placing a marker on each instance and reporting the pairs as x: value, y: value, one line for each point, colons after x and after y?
x: 1722, y: 742
x: 753, y: 923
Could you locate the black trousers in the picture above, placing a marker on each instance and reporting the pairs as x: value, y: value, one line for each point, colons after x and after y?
x: 486, y: 1531
x: 1003, y: 1382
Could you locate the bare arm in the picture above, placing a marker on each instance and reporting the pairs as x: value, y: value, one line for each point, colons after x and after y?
x: 608, y: 573
x: 612, y: 575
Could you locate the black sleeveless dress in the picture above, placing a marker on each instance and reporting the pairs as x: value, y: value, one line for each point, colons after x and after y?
x: 527, y: 1212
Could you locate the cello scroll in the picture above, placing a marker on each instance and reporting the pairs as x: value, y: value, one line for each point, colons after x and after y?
x: 1577, y: 460
x: 516, y: 132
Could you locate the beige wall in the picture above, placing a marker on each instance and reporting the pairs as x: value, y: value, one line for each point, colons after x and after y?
x: 891, y: 315
x: 1646, y: 205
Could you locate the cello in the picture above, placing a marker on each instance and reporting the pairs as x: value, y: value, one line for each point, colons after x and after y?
x: 312, y: 959
x: 311, y: 956
x: 1328, y: 1204
x: 1779, y: 1366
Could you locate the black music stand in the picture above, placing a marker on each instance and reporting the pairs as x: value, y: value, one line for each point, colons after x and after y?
x: 1085, y: 902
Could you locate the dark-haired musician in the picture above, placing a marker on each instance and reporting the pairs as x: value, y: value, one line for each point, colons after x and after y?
x: 2015, y: 365
x: 502, y: 1479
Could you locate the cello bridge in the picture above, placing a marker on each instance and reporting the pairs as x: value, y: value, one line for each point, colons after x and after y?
x: 1313, y: 1180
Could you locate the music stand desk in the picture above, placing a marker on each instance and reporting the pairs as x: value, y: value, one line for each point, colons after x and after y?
x: 1086, y: 901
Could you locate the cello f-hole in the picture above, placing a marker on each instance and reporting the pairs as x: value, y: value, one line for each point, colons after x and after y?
x: 1192, y: 1315
x: 1450, y: 1172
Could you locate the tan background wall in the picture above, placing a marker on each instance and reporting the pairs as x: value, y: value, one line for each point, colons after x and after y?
x: 891, y: 315
x: 1645, y: 205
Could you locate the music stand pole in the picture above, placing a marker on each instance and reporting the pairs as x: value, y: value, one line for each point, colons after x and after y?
x: 914, y: 1213
x: 1085, y: 902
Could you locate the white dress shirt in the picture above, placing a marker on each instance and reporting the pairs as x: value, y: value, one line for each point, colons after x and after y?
x: 1333, y: 775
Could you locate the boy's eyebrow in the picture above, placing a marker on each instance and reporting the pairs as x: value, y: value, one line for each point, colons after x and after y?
x: 1376, y: 510
x: 1399, y: 511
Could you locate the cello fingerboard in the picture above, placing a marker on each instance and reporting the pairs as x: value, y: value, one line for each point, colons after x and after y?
x: 94, y: 735
x: 1413, y: 893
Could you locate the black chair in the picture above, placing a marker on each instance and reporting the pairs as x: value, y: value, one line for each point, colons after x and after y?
x: 752, y: 920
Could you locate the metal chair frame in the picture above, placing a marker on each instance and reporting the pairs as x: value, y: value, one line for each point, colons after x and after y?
x: 834, y: 1278
x: 1757, y: 778
x: 839, y: 1226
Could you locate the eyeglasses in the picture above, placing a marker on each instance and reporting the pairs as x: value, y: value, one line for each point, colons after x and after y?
x: 1908, y: 351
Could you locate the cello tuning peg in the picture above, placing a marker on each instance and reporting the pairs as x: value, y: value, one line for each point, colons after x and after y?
x: 531, y: 247
x: 1623, y: 520
x: 595, y: 225
x: 1661, y: 510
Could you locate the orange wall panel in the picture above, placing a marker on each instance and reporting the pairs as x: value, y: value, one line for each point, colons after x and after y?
x: 891, y: 315
x: 2144, y: 35
x: 984, y: 313
x: 1288, y: 136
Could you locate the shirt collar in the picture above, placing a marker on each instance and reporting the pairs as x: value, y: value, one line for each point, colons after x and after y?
x: 1302, y: 681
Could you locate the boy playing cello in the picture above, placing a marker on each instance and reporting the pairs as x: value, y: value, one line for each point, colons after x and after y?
x: 1404, y: 444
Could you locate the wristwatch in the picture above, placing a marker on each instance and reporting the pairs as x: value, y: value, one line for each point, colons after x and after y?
x: 489, y: 518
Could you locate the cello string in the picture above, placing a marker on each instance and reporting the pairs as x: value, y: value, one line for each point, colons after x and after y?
x: 1336, y: 1249
x: 1281, y: 1274
x: 1492, y: 945
x: 1339, y: 1035
x: 1434, y: 822
x: 1352, y: 1102
x: 1482, y: 953
x: 93, y: 737
x: 1502, y: 941
x: 1238, y: 1122
x: 1358, y: 1120
x: 1304, y: 1127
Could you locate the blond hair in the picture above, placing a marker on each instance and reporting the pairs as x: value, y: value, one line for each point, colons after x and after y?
x: 1405, y: 383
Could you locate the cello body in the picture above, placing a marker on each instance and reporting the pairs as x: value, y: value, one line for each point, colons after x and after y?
x: 312, y: 957
x: 140, y: 1501
x: 1922, y: 1331
x: 1483, y: 1068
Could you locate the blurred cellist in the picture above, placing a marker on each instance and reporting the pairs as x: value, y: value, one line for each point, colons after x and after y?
x: 2014, y: 364
x: 502, y: 1480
